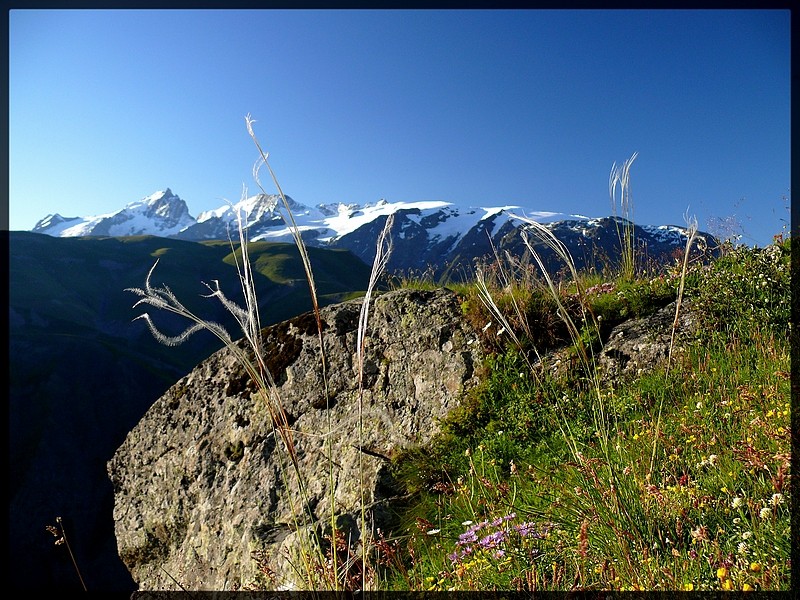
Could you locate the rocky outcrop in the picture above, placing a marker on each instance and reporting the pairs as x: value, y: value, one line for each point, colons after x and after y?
x: 639, y: 345
x: 632, y: 347
x: 203, y: 481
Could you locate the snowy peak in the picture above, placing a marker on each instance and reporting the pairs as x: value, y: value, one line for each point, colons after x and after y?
x: 165, y: 207
x: 53, y: 222
x: 162, y: 213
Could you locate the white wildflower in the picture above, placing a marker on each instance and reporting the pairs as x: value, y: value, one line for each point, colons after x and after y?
x: 741, y: 548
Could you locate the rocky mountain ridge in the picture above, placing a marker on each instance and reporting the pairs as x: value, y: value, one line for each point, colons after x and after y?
x: 434, y: 236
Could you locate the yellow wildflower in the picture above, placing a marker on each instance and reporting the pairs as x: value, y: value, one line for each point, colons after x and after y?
x: 727, y: 584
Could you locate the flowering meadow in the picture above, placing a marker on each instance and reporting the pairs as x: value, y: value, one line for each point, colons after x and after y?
x: 677, y: 478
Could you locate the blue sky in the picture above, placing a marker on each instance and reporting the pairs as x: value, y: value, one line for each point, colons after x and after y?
x: 474, y: 107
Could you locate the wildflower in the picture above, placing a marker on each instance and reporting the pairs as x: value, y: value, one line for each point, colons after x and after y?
x: 776, y: 499
x: 736, y: 502
x: 765, y: 513
x: 433, y: 531
x: 727, y: 584
x: 722, y: 573
x: 747, y: 587
x: 467, y: 537
x: 524, y: 529
x: 687, y: 587
x: 493, y: 539
x: 746, y: 535
x: 755, y: 567
x: 742, y: 548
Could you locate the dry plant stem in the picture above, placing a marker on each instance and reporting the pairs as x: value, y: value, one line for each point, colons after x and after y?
x: 292, y: 224
x: 63, y: 537
x: 163, y: 298
x: 383, y: 251
x: 488, y: 301
x: 544, y: 235
x: 248, y: 319
x: 692, y: 233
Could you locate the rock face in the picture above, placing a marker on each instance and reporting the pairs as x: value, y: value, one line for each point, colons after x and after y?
x: 639, y: 345
x: 632, y: 347
x: 204, y: 480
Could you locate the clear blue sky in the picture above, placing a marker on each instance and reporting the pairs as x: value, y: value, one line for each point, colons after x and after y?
x: 471, y: 107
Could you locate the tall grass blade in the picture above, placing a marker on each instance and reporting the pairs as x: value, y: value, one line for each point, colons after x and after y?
x: 383, y: 250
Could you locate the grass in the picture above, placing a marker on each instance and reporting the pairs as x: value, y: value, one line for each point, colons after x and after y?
x: 675, y: 479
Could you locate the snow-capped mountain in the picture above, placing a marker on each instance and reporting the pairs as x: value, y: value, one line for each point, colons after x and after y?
x: 427, y: 235
x: 163, y: 214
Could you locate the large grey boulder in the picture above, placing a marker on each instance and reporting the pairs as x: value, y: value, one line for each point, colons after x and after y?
x: 203, y: 481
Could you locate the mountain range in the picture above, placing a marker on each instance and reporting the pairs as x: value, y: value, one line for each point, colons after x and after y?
x: 434, y: 236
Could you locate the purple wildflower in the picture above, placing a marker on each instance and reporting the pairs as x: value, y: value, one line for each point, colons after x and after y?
x: 493, y: 539
x: 500, y: 520
x: 526, y: 529
x: 467, y: 537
